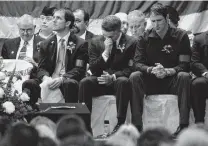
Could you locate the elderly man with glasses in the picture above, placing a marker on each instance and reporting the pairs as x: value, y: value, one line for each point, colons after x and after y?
x: 25, y: 46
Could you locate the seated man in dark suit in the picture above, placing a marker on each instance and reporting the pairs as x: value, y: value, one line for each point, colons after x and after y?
x: 81, y: 23
x: 161, y: 62
x: 25, y: 46
x: 199, y: 66
x: 110, y: 61
x: 62, y: 57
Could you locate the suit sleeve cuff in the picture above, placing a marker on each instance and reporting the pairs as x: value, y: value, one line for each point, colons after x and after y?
x: 204, y: 74
x: 114, y: 77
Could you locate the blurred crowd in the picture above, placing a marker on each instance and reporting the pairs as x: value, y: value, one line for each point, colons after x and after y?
x: 70, y: 130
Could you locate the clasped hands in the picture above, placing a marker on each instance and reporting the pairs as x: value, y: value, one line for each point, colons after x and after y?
x: 105, y: 78
x: 160, y: 72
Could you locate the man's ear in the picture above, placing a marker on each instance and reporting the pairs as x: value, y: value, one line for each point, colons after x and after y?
x: 86, y: 23
x: 68, y: 23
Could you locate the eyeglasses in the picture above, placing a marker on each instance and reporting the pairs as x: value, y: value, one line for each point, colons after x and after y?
x: 47, y: 18
x: 29, y: 30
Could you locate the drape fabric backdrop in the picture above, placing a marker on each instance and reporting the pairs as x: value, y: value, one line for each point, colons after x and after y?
x: 193, y: 14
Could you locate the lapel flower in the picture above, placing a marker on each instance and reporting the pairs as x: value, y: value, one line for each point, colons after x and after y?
x: 121, y: 47
x: 167, y: 49
x: 71, y: 46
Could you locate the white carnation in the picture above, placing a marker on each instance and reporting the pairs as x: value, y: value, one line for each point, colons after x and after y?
x: 1, y: 93
x: 8, y: 107
x: 24, y: 97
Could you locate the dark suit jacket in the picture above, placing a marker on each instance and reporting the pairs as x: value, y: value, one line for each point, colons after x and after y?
x: 151, y: 49
x: 48, y: 56
x: 11, y: 46
x: 89, y: 35
x: 199, y: 58
x: 120, y: 64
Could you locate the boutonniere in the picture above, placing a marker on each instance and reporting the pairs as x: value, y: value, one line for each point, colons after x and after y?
x: 121, y: 47
x: 167, y: 49
x: 71, y: 46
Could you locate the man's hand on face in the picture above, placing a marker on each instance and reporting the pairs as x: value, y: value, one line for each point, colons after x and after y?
x: 55, y: 83
x: 105, y: 78
x: 30, y: 60
x: 159, y: 71
x: 108, y: 44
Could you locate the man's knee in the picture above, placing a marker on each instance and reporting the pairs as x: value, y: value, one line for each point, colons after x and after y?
x: 122, y: 80
x: 184, y: 76
x: 199, y: 82
x: 135, y: 76
x: 87, y: 81
x: 70, y: 82
x: 29, y: 83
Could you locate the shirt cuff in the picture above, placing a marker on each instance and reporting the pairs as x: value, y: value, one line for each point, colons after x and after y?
x: 114, y: 77
x: 204, y: 74
x: 105, y: 56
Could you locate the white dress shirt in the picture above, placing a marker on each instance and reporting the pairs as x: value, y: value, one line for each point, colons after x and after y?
x: 29, y: 51
x: 66, y: 37
x: 83, y: 36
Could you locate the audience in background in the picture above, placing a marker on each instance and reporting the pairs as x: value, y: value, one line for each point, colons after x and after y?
x: 155, y: 137
x: 22, y: 134
x: 45, y: 141
x: 192, y: 137
x: 70, y: 125
x: 40, y: 120
x: 124, y: 23
x: 137, y: 23
x: 46, y: 17
x: 127, y: 135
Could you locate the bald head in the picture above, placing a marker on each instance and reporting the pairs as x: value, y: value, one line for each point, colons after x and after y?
x: 124, y: 24
x: 26, y: 27
x: 137, y: 22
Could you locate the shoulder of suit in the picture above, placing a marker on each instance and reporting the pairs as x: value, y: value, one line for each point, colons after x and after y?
x: 97, y: 38
x: 9, y: 41
x: 178, y: 32
x: 201, y: 36
x: 131, y: 38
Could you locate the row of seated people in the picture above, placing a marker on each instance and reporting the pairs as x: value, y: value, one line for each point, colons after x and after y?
x: 155, y: 62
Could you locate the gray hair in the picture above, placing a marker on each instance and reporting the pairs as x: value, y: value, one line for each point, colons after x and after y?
x: 25, y: 19
x: 136, y: 13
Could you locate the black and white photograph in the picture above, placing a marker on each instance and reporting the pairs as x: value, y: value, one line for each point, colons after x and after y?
x: 103, y: 73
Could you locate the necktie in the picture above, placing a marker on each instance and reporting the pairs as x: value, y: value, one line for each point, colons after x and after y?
x: 22, y: 53
x: 60, y: 59
x: 112, y: 54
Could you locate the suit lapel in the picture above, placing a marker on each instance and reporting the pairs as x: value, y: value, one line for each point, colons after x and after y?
x: 52, y: 47
x: 123, y: 42
x: 69, y: 57
x: 15, y: 47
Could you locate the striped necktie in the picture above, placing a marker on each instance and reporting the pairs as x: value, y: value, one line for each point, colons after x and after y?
x: 23, y: 51
x: 60, y: 59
